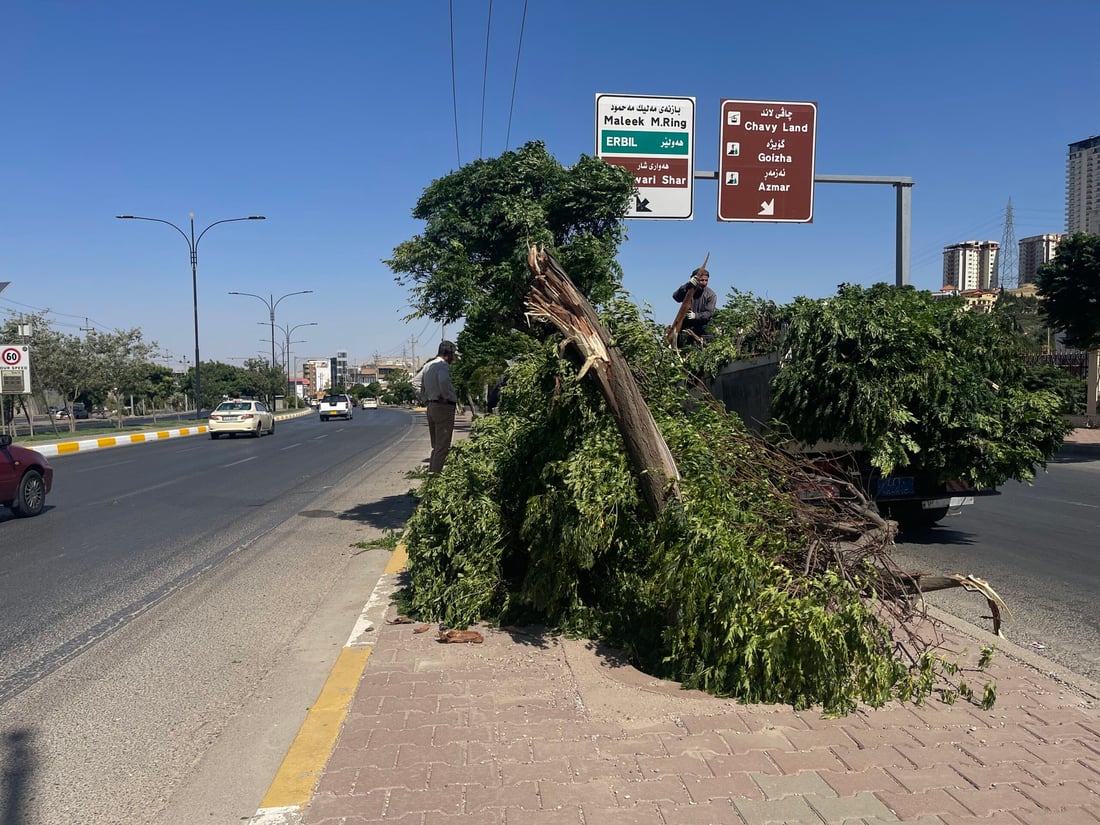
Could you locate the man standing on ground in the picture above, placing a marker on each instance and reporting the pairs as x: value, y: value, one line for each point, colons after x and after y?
x: 442, y: 404
x: 703, y: 303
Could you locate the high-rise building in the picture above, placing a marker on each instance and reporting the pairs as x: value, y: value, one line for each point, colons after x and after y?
x: 318, y: 376
x: 1083, y: 186
x: 339, y: 369
x: 971, y: 265
x: 1034, y: 252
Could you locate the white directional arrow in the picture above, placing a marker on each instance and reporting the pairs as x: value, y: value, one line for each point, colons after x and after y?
x: 767, y: 207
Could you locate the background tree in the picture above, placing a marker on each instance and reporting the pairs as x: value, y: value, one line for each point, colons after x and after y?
x: 1028, y: 319
x: 1070, y: 286
x: 66, y: 364
x: 119, y: 362
x: 470, y: 260
x: 162, y: 386
x: 42, y: 337
x: 258, y: 379
x: 399, y: 388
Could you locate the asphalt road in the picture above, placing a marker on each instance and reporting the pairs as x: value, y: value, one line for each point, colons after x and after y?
x: 1039, y: 547
x: 170, y: 617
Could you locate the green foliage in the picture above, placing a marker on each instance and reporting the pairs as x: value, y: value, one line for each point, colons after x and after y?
x: 1028, y: 320
x: 389, y: 541
x: 538, y: 514
x: 744, y: 327
x: 986, y: 658
x: 1070, y: 390
x: 1069, y: 285
x: 470, y: 260
x: 399, y: 388
x: 917, y: 382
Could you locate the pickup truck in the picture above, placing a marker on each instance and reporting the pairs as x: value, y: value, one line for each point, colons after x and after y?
x: 910, y: 496
x: 336, y: 406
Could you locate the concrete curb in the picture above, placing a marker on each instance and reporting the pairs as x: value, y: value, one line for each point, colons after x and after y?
x: 1023, y: 655
x: 102, y: 442
x: 294, y: 783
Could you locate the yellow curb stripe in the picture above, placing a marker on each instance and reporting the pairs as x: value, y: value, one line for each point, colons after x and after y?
x: 301, y: 769
x: 292, y: 788
x: 68, y: 447
x: 109, y: 441
x: 399, y: 560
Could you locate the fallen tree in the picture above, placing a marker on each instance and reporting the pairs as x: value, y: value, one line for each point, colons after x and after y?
x: 613, y: 496
x: 719, y: 577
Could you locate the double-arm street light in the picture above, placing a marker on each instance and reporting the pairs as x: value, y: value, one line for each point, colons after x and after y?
x: 289, y: 331
x: 193, y: 246
x: 271, y: 303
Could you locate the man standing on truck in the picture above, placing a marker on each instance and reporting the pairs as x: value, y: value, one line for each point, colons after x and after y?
x: 442, y: 403
x: 703, y: 302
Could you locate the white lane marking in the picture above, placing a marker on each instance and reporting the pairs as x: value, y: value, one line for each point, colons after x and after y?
x: 103, y: 466
x: 291, y: 446
x: 242, y: 461
x: 1066, y: 501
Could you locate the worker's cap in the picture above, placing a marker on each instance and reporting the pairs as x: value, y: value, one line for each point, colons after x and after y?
x: 700, y: 271
x: 447, y: 348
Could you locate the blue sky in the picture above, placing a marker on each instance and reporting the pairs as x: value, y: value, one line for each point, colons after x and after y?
x: 330, y: 118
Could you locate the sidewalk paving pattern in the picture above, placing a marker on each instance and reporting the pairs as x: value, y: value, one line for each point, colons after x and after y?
x: 533, y: 728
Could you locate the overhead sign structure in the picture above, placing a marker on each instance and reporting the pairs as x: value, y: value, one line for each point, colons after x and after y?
x: 654, y: 139
x: 15, y: 369
x: 766, y: 161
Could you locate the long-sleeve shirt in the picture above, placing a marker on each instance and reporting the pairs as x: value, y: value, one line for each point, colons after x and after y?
x: 437, y: 384
x: 702, y: 304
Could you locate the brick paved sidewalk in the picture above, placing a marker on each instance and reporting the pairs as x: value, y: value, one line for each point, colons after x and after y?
x: 539, y: 730
x: 1084, y: 435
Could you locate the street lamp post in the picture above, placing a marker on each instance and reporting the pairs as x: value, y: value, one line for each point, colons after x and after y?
x: 289, y: 331
x: 271, y: 304
x: 193, y: 247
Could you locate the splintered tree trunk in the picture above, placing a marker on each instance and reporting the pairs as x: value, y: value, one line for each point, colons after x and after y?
x: 554, y: 298
x: 673, y: 332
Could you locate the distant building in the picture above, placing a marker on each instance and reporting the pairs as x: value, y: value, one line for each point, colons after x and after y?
x: 1034, y: 252
x: 1083, y: 186
x: 318, y: 375
x: 339, y: 363
x: 976, y: 300
x: 970, y: 265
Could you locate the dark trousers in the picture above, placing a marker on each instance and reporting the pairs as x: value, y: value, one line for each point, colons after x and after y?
x: 441, y: 425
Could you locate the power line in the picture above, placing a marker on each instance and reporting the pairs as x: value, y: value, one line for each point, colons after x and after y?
x: 485, y: 81
x: 515, y: 77
x: 454, y: 88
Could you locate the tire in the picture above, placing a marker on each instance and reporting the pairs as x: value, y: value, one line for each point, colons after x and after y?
x: 30, y: 498
x: 215, y: 436
x: 256, y: 433
x: 272, y: 430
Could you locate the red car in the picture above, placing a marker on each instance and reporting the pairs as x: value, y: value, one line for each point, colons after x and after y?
x: 25, y: 478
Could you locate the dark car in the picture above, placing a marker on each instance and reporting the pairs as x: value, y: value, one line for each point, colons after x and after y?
x: 79, y: 410
x: 25, y: 478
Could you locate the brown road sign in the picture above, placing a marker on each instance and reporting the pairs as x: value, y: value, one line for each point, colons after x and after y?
x: 766, y: 161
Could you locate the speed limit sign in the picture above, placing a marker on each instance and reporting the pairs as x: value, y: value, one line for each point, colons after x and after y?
x: 15, y: 370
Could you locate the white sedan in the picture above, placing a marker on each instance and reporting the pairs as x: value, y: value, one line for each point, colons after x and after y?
x: 249, y: 417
